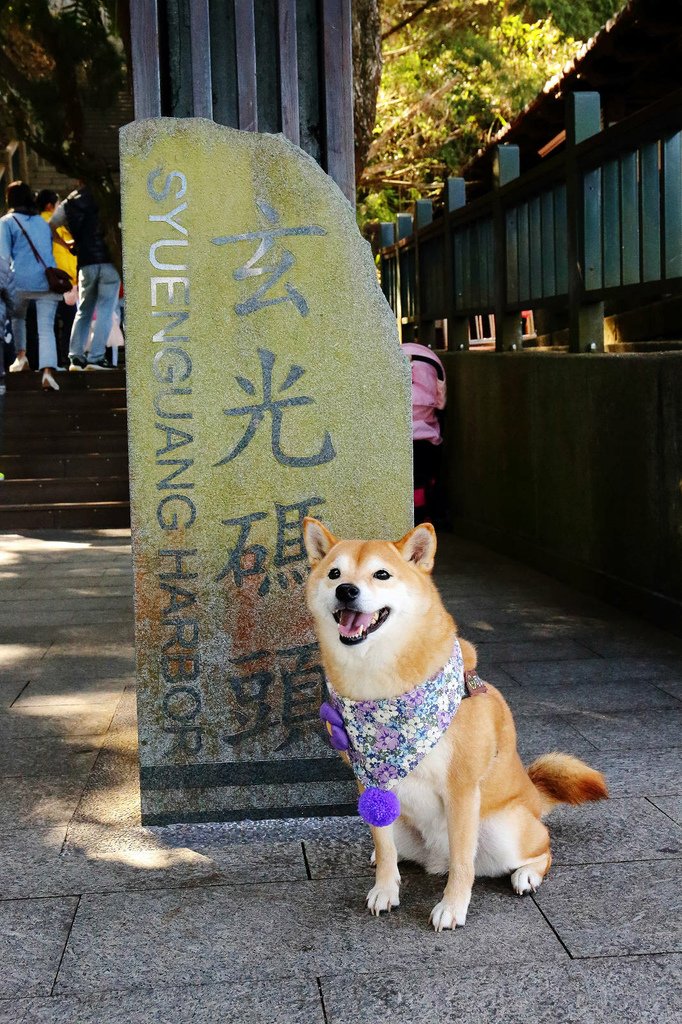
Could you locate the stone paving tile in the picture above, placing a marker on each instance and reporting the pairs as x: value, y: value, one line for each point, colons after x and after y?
x: 615, y: 909
x: 102, y: 589
x: 588, y: 698
x: 81, y: 719
x: 41, y: 801
x: 290, y: 1001
x: 33, y: 934
x: 539, y: 734
x: 49, y: 756
x: 112, y: 613
x: 39, y: 862
x: 9, y: 691
x: 270, y: 931
x: 595, y: 670
x: 608, y: 992
x: 625, y: 829
x: 60, y: 691
x: 24, y: 855
x: 672, y: 686
x: 347, y: 857
x: 670, y: 805
x: 618, y: 731
x: 631, y: 772
x: 640, y: 641
x: 540, y: 650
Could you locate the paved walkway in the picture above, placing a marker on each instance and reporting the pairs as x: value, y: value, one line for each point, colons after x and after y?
x: 104, y: 922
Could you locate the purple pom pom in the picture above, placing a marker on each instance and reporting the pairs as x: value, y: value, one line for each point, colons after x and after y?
x: 378, y: 807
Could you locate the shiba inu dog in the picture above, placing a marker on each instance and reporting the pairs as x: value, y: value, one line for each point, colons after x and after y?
x: 469, y: 807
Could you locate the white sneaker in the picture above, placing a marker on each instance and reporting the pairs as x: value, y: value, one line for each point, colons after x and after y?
x: 19, y: 364
x: 49, y: 381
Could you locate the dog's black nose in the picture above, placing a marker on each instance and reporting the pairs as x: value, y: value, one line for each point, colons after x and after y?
x: 347, y: 592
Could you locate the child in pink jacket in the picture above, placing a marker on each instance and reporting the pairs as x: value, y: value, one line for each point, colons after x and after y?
x: 428, y: 395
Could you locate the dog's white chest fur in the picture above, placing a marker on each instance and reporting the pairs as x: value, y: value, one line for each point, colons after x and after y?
x: 421, y: 832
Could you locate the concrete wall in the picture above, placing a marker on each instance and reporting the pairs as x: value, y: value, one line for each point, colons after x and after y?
x: 573, y: 463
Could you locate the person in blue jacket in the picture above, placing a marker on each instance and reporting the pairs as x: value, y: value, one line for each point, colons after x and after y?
x: 21, y: 231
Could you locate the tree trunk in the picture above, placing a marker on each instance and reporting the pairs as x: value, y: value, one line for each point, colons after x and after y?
x: 366, y: 76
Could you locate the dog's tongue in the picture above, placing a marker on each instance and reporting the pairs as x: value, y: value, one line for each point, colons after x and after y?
x: 350, y: 622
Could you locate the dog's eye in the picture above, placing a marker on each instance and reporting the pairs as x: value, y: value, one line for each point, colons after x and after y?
x: 381, y: 574
x: 334, y: 574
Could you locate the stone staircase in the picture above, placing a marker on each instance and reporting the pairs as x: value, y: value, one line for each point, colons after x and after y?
x: 64, y: 454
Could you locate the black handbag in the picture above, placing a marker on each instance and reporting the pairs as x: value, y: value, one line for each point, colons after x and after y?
x: 57, y: 280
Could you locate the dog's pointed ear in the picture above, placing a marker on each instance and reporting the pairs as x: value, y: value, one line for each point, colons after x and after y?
x: 317, y: 538
x: 419, y: 546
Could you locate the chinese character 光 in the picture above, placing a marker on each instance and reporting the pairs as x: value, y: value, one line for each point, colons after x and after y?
x: 276, y: 409
x: 271, y: 272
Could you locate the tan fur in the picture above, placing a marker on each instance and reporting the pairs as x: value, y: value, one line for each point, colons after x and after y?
x: 470, y: 807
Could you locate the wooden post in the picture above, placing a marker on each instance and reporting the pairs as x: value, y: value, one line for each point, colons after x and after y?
x: 390, y: 287
x: 585, y: 320
x: 458, y: 325
x: 404, y: 228
x: 144, y: 34
x: 508, y: 336
x: 423, y: 215
x: 338, y: 79
x: 202, y: 89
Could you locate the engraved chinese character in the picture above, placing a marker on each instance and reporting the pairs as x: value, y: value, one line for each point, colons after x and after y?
x: 302, y: 690
x: 251, y: 690
x: 290, y: 546
x: 271, y: 272
x: 246, y: 560
x: 275, y: 408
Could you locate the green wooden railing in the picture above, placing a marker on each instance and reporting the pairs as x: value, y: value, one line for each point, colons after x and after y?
x: 599, y: 223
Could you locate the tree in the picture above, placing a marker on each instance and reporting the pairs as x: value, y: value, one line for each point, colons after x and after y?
x: 56, y: 61
x: 456, y: 72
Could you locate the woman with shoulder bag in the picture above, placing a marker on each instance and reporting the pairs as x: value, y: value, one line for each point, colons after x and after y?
x: 26, y: 240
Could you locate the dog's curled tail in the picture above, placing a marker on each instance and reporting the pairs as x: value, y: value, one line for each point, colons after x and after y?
x: 563, y: 779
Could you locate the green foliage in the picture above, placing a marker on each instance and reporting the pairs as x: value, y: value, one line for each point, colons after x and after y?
x: 56, y: 62
x: 453, y: 77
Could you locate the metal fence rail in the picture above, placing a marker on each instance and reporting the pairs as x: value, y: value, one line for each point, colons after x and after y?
x: 601, y: 222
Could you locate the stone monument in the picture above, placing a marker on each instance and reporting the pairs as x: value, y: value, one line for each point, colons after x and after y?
x: 265, y: 382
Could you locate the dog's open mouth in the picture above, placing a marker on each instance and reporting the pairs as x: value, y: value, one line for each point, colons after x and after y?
x: 354, y: 627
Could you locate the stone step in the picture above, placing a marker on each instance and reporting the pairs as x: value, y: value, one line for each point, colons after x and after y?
x: 65, y: 515
x: 659, y: 345
x: 87, y: 381
x: 54, y: 490
x: 18, y: 403
x: 21, y: 467
x: 63, y: 443
x: 53, y: 419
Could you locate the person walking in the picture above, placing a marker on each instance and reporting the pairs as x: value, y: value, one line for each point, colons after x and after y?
x: 47, y: 201
x: 98, y: 279
x: 26, y: 242
x: 428, y: 399
x: 8, y: 300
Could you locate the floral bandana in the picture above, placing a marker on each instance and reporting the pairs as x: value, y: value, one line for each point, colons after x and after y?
x: 388, y: 738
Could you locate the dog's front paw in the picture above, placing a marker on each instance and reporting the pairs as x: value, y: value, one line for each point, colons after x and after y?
x: 447, y: 915
x: 383, y: 897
